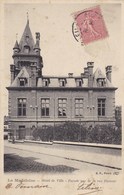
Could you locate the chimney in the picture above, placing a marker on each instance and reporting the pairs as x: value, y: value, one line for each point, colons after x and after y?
x: 37, y: 45
x: 37, y: 38
x: 12, y: 70
x: 70, y: 75
x: 90, y: 66
x: 86, y: 71
x: 108, y: 72
x: 33, y: 75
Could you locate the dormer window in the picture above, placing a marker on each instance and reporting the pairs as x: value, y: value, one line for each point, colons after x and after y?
x: 26, y: 49
x: 62, y: 82
x: 101, y: 82
x: 79, y: 82
x: 45, y: 82
x: 22, y: 82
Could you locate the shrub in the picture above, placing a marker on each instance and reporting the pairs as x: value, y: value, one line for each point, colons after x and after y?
x: 106, y: 134
x: 75, y: 132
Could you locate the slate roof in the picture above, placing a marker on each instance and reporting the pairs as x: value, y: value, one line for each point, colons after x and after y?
x: 69, y: 81
x: 98, y: 74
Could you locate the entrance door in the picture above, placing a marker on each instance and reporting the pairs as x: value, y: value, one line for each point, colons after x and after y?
x: 22, y: 132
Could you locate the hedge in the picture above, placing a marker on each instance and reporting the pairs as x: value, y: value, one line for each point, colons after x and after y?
x: 75, y: 132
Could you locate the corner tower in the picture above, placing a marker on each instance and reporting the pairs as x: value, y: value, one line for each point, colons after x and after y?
x: 26, y: 56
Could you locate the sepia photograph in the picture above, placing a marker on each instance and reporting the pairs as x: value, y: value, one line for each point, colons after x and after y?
x: 62, y: 97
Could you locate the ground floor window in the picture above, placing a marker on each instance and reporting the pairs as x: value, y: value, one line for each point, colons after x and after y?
x: 101, y: 106
x: 62, y: 110
x: 45, y: 104
x: 79, y: 107
x: 22, y: 106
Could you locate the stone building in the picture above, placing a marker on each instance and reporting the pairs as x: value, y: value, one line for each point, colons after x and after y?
x: 37, y: 100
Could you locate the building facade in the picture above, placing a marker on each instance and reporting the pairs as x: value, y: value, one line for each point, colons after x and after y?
x: 37, y: 100
x: 118, y: 116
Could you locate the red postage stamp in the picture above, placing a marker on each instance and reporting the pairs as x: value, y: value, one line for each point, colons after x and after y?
x: 91, y: 25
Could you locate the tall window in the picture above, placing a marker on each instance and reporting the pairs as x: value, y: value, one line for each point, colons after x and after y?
x: 22, y: 106
x: 62, y: 111
x: 78, y: 107
x: 101, y: 107
x: 45, y: 103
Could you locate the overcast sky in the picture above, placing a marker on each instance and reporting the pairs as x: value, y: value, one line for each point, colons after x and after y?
x: 60, y: 51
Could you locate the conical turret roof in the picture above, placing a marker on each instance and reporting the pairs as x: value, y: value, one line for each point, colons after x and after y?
x: 26, y: 39
x: 16, y: 46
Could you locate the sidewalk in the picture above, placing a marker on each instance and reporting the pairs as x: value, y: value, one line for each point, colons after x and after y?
x: 106, y: 160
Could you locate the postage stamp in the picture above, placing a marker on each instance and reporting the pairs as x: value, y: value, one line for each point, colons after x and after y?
x: 91, y: 25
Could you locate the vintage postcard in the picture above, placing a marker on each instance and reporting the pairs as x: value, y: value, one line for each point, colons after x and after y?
x: 61, y: 97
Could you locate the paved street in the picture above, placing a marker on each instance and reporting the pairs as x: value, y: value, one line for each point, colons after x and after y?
x: 39, y: 158
x: 25, y: 161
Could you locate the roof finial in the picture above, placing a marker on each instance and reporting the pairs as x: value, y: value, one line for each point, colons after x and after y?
x: 27, y: 18
x: 16, y: 36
